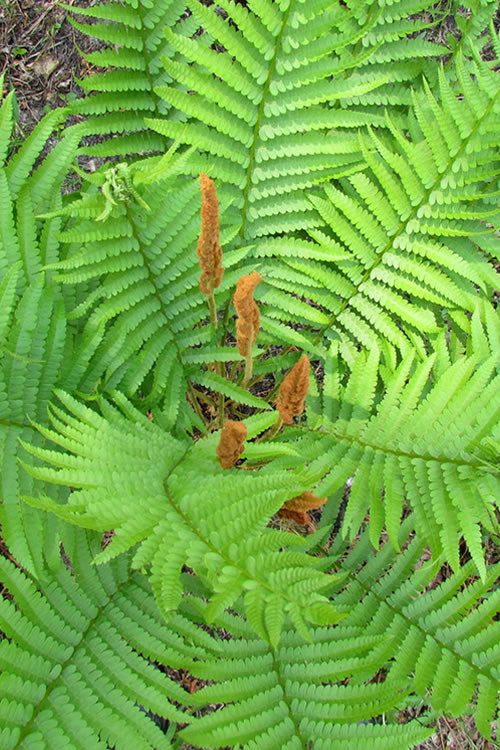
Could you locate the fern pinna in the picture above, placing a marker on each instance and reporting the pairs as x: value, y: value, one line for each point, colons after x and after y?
x: 167, y: 439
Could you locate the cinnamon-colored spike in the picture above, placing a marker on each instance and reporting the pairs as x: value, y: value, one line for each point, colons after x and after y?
x: 247, y: 324
x: 293, y: 391
x: 208, y: 248
x: 231, y: 443
x: 297, y: 507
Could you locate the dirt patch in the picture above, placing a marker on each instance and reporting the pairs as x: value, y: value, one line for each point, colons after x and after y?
x: 457, y: 734
x: 39, y: 56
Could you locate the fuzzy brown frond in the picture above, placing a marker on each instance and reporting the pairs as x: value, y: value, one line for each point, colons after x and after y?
x: 293, y: 391
x: 297, y: 507
x: 247, y: 324
x: 231, y: 443
x: 208, y: 248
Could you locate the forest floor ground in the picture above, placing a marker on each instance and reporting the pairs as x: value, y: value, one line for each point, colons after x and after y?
x: 39, y: 55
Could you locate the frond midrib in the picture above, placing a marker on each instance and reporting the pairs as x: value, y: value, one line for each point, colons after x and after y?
x: 353, y: 439
x: 20, y: 425
x: 282, y: 683
x: 154, y: 285
x: 156, y: 99
x: 256, y: 131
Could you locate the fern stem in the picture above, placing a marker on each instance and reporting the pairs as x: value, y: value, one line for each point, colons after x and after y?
x: 248, y: 369
x: 232, y: 371
x: 213, y: 309
x: 221, y: 403
x: 206, y: 398
x: 195, y: 403
x: 272, y: 432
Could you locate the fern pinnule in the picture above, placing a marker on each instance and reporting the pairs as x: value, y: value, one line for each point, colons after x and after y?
x: 231, y: 443
x: 293, y: 391
x: 208, y: 249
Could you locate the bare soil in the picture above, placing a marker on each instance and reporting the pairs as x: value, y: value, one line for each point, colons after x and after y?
x: 39, y: 56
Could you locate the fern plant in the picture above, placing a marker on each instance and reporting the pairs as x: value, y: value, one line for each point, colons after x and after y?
x: 152, y: 445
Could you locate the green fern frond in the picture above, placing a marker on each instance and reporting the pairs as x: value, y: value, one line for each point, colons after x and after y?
x: 74, y: 672
x: 27, y: 188
x: 33, y: 327
x: 442, y: 637
x: 21, y: 163
x: 287, y: 70
x: 119, y: 98
x: 149, y: 495
x: 360, y: 179
x: 32, y: 353
x: 419, y: 443
x: 6, y: 122
x: 403, y: 226
x: 402, y: 627
x: 147, y: 297
x: 296, y: 696
x: 472, y: 25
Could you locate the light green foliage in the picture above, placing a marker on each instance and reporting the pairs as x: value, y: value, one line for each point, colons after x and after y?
x: 443, y: 637
x: 420, y: 442
x: 358, y: 173
x: 211, y: 527
x: 68, y: 676
x: 269, y: 136
x: 33, y: 325
x: 389, y: 614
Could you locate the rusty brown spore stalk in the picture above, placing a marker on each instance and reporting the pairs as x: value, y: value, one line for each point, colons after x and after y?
x: 293, y: 391
x: 297, y: 508
x: 231, y: 443
x: 247, y: 324
x: 209, y: 253
x: 208, y: 248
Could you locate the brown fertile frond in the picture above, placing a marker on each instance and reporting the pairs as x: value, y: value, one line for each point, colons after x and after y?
x: 208, y: 248
x: 293, y: 391
x: 297, y: 507
x: 247, y: 325
x: 231, y: 443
